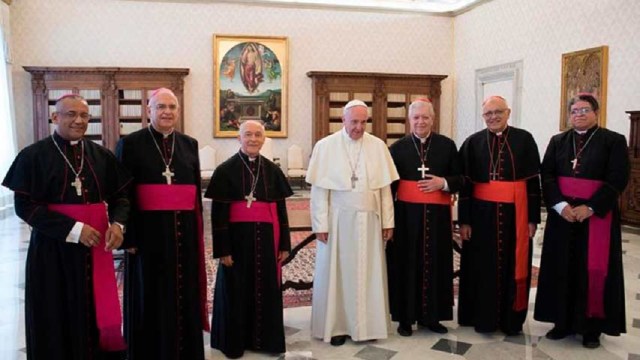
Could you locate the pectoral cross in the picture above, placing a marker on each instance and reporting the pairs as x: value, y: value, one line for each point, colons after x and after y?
x: 423, y: 170
x: 575, y: 163
x: 78, y: 185
x: 249, y: 199
x: 354, y: 178
x: 168, y: 174
x: 493, y: 175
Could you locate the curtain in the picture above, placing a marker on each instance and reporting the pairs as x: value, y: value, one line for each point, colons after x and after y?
x: 7, y: 129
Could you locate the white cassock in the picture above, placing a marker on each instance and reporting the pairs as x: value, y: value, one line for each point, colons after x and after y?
x: 350, y: 281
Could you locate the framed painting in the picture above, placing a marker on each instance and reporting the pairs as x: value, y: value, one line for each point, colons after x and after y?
x: 250, y: 83
x: 584, y: 71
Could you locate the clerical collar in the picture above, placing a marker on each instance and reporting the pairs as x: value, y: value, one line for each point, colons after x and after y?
x: 63, y: 141
x: 500, y: 133
x: 422, y: 139
x: 582, y: 132
x: 246, y: 156
x: 158, y: 133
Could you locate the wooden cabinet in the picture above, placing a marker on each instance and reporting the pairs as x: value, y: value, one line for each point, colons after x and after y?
x: 117, y: 97
x: 630, y: 200
x: 387, y: 95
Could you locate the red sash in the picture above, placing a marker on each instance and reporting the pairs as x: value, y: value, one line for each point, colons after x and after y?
x: 408, y: 192
x: 105, y: 290
x: 161, y: 197
x: 512, y: 192
x: 259, y: 211
x: 599, y: 242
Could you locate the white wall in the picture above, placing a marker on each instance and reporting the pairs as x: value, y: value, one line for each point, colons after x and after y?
x: 539, y: 32
x: 151, y: 34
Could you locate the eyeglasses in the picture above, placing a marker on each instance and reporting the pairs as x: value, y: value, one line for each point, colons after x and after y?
x: 581, y: 111
x: 72, y: 115
x: 498, y: 112
x: 162, y: 107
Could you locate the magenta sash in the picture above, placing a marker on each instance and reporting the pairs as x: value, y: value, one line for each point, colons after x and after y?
x: 105, y: 290
x: 164, y: 197
x: 599, y: 242
x: 161, y: 197
x: 259, y: 212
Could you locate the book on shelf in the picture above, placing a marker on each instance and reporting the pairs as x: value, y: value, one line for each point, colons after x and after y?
x: 130, y: 110
x: 366, y: 97
x: 95, y: 110
x: 397, y: 112
x: 131, y: 94
x: 55, y: 94
x: 339, y: 96
x: 89, y: 94
x: 94, y: 129
x: 335, y: 112
x: 396, y: 98
x: 395, y: 128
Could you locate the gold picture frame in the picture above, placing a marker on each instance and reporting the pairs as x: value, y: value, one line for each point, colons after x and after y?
x: 584, y: 71
x: 250, y: 83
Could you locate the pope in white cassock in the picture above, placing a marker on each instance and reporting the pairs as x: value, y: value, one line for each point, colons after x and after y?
x: 352, y: 215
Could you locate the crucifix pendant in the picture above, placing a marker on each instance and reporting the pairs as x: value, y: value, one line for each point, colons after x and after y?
x: 78, y: 185
x: 575, y: 163
x: 354, y: 178
x: 167, y: 174
x: 423, y: 170
x: 249, y: 199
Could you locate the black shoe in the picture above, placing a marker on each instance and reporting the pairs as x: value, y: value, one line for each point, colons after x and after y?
x: 404, y: 329
x: 437, y: 328
x: 591, y: 340
x: 338, y: 340
x: 556, y: 334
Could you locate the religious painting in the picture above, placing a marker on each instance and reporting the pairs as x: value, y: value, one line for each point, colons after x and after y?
x: 584, y: 71
x: 250, y: 77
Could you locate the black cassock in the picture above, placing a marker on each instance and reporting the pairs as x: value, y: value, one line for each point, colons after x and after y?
x: 487, y: 265
x: 563, y: 281
x: 247, y: 304
x: 59, y: 307
x: 420, y: 257
x: 162, y: 301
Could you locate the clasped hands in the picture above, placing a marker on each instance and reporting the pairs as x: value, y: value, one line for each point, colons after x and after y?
x: 579, y: 213
x: 91, y: 237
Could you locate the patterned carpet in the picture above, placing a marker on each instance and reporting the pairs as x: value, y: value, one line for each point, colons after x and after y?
x: 298, y: 272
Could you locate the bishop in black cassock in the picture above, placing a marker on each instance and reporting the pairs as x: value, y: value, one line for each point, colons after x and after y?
x: 165, y: 312
x: 578, y: 292
x: 420, y: 257
x: 60, y: 304
x: 495, y: 265
x: 247, y: 213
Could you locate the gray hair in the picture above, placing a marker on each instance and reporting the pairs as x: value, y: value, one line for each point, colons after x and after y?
x: 420, y: 104
x: 243, y: 125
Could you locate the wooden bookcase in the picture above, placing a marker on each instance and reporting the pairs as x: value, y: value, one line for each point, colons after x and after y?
x: 630, y: 199
x: 387, y: 95
x: 117, y: 97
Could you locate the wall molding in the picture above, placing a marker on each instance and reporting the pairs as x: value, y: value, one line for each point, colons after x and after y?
x: 503, y: 72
